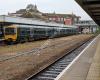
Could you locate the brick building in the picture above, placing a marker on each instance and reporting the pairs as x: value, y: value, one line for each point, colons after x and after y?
x: 68, y: 19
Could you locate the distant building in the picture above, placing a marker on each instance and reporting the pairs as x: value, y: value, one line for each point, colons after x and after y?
x: 87, y: 26
x: 31, y: 11
x: 67, y: 19
x: 32, y: 7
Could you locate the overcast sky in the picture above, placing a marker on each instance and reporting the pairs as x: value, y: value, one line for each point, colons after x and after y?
x: 59, y: 6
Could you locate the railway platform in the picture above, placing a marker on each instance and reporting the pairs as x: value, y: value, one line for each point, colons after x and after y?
x: 86, y: 66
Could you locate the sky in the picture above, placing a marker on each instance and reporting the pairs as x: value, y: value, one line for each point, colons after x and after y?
x: 46, y: 6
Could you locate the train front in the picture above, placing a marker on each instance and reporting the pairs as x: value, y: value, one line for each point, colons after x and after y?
x: 10, y: 33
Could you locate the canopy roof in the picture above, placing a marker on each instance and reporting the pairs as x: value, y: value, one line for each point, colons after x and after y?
x: 92, y: 7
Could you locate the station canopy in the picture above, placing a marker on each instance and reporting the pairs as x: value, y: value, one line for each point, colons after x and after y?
x: 5, y: 19
x: 92, y: 7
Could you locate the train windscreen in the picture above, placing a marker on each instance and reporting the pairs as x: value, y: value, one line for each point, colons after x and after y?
x: 10, y: 31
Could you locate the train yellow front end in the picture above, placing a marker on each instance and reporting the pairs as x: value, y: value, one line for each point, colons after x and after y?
x: 10, y: 33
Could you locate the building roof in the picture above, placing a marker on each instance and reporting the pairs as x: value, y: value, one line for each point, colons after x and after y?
x: 60, y: 15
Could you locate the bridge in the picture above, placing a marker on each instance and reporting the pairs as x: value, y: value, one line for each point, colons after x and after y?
x: 87, y: 26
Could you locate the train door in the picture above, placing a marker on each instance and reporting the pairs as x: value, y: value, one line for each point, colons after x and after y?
x: 1, y: 32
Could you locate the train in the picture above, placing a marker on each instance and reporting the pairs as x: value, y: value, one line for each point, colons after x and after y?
x: 23, y: 33
x: 1, y: 32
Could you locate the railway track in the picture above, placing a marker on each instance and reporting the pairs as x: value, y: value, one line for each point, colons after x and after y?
x: 35, y: 50
x: 51, y: 72
x: 2, y: 42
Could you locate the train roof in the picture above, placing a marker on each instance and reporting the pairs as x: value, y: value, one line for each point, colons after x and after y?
x: 30, y: 26
x: 20, y: 20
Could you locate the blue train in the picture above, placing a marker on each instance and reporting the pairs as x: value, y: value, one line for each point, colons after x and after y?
x: 23, y: 33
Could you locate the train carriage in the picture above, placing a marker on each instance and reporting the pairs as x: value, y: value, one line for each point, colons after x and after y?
x: 1, y: 33
x: 23, y: 33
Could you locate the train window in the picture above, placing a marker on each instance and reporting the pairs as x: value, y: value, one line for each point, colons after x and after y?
x: 0, y: 30
x: 38, y: 31
x: 23, y: 33
x: 10, y: 31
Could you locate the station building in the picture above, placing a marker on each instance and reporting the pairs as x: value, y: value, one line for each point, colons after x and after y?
x: 87, y: 26
x: 68, y: 19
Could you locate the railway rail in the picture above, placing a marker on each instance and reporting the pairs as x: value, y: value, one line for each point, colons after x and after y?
x: 2, y: 42
x: 51, y: 72
x: 35, y: 50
